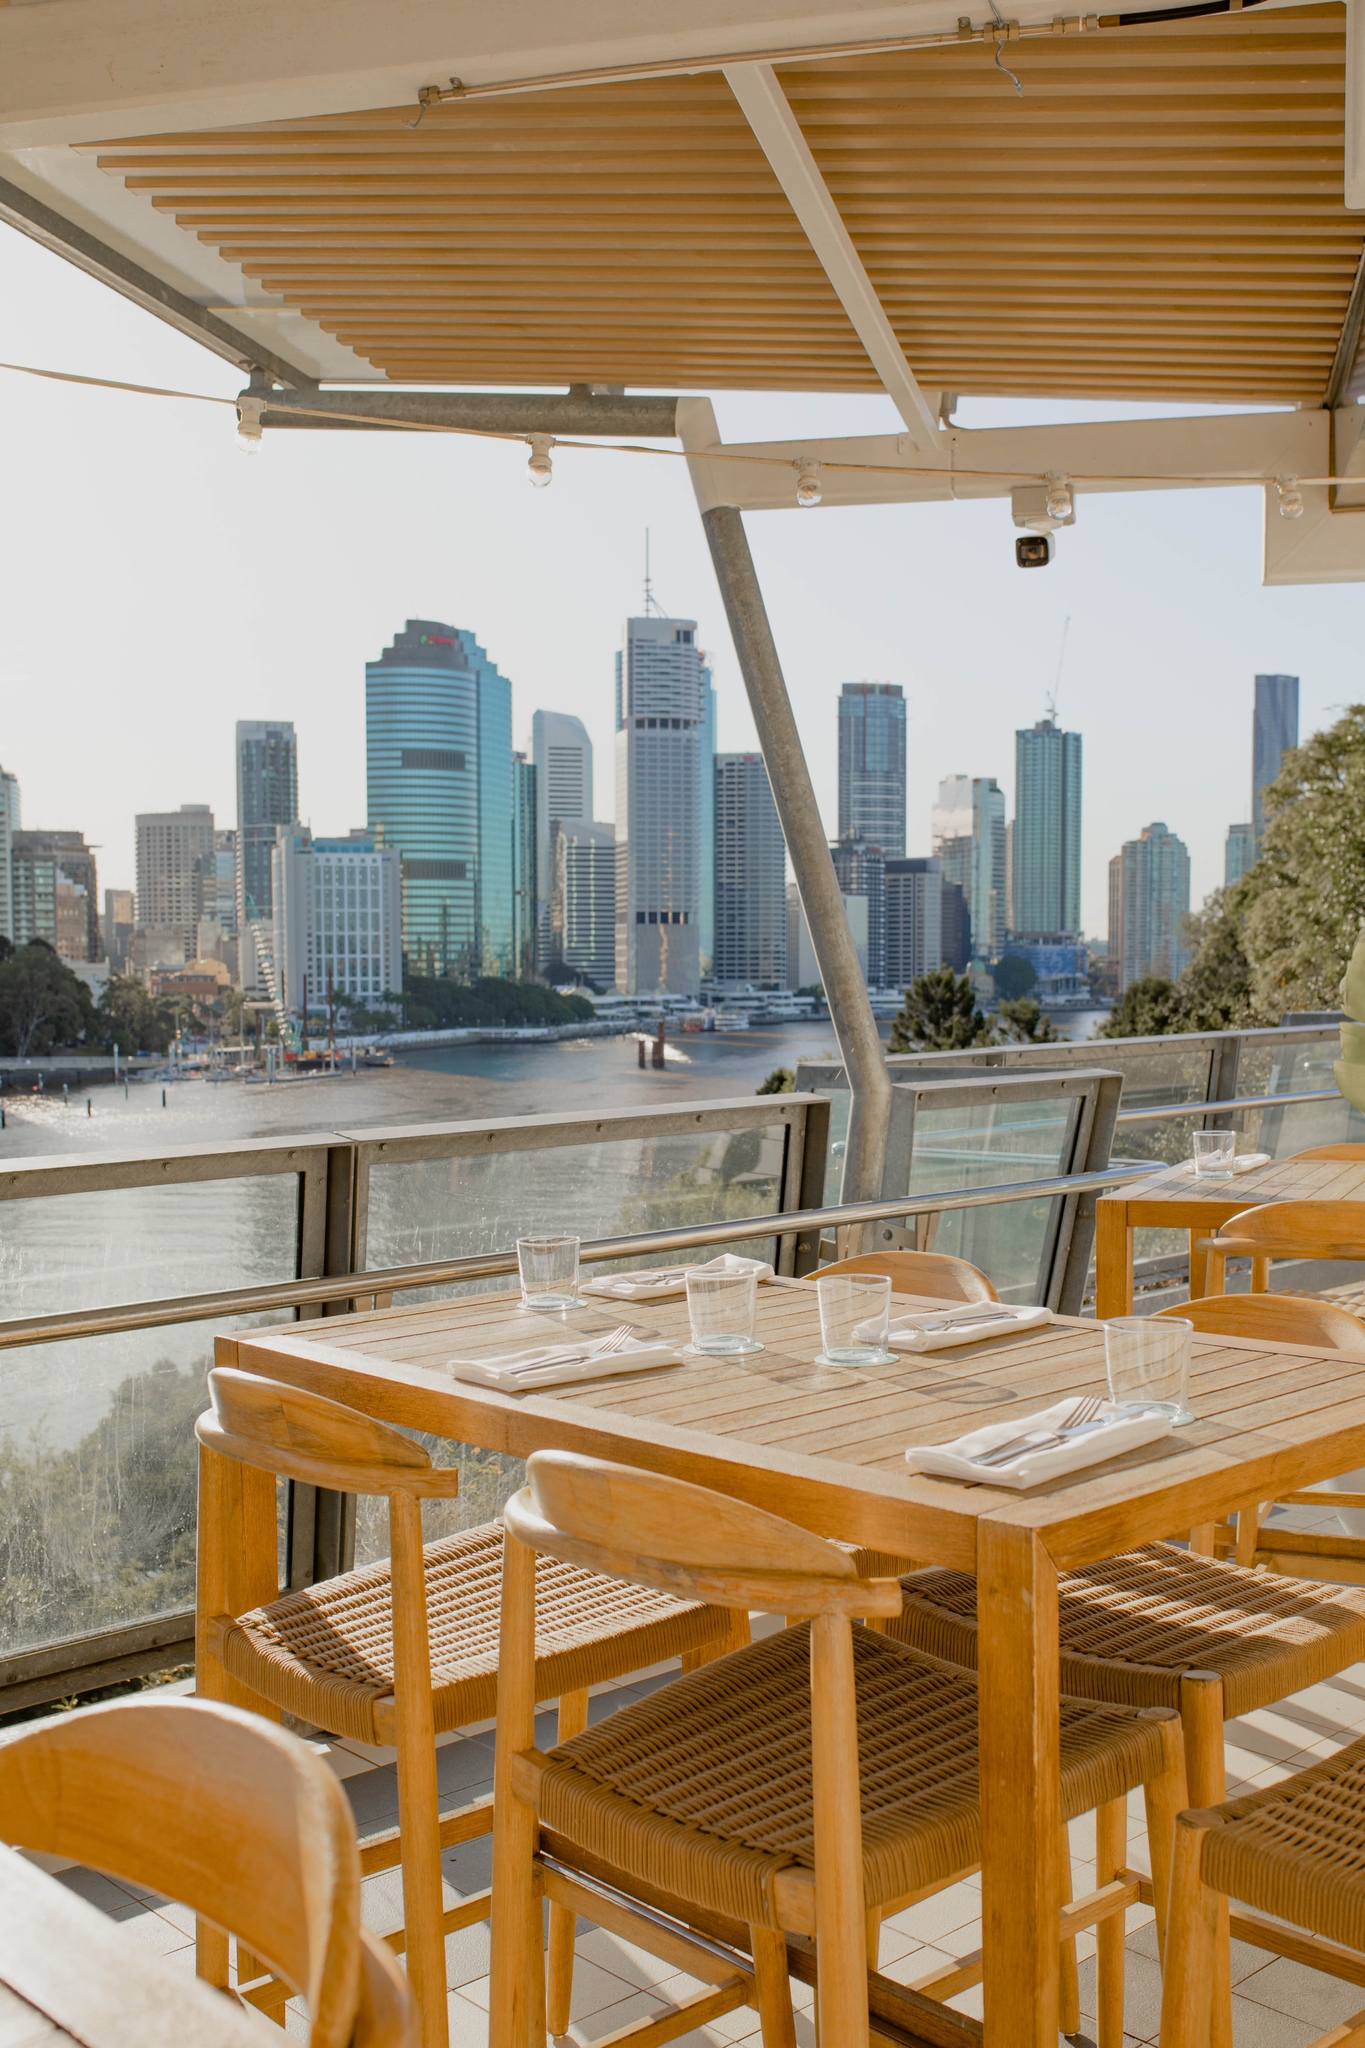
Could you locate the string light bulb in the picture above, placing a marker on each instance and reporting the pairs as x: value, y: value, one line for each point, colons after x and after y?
x: 1060, y: 504
x: 1291, y: 497
x: 540, y: 469
x: 250, y: 432
x: 809, y: 490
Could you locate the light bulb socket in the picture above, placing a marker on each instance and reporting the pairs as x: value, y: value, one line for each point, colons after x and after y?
x: 540, y: 469
x: 250, y: 432
x: 1061, y: 505
x: 809, y: 490
x: 1290, y: 496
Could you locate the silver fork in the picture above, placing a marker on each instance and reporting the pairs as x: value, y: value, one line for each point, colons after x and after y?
x: 615, y: 1340
x: 1082, y: 1415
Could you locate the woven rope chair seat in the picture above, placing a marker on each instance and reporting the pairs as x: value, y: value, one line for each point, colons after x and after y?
x: 703, y: 1790
x: 1132, y: 1625
x: 326, y: 1654
x: 1297, y: 1850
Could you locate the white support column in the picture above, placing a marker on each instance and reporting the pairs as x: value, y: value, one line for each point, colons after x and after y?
x: 779, y: 134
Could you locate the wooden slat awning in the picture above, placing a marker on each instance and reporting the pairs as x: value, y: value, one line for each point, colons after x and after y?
x: 1159, y: 215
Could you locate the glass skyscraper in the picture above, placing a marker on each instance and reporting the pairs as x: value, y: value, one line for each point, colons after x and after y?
x: 970, y: 839
x: 561, y: 754
x: 751, y: 874
x: 1149, y: 898
x: 267, y: 796
x: 872, y: 765
x: 438, y: 760
x: 1274, y: 733
x: 660, y: 719
x: 1047, y: 832
x: 706, y: 890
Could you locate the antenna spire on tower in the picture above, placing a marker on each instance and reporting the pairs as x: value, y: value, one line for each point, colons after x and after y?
x: 1057, y: 681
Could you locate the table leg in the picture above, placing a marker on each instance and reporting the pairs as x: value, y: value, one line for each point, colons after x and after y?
x: 1113, y: 1258
x: 1020, y: 1769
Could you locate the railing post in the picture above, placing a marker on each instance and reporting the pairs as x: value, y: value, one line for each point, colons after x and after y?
x: 1223, y: 1070
x: 320, y: 1526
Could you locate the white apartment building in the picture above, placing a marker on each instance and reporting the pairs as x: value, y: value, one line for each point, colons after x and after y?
x: 583, y: 899
x: 175, y: 869
x: 660, y: 720
x: 562, y: 755
x: 338, y: 918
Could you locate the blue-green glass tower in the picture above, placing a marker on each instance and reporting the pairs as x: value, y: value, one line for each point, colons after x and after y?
x: 438, y: 758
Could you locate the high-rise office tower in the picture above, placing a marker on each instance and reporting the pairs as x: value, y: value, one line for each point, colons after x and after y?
x: 914, y: 919
x: 526, y: 869
x: 1047, y: 832
x: 223, y: 906
x: 438, y: 760
x: 9, y: 825
x: 582, y: 931
x: 803, y: 969
x: 267, y: 797
x: 1274, y: 733
x: 561, y: 753
x: 1239, y: 853
x: 70, y: 919
x: 872, y: 765
x: 751, y: 875
x: 861, y: 869
x: 706, y: 887
x: 1149, y: 895
x: 660, y: 715
x: 969, y: 837
x: 174, y: 858
x: 337, y: 919
x: 955, y: 927
x: 120, y: 920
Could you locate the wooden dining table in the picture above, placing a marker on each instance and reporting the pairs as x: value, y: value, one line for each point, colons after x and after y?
x: 824, y: 1446
x: 1174, y: 1199
x: 68, y: 1973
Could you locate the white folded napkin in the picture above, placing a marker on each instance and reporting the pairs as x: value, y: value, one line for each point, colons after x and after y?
x: 1117, y: 1432
x: 972, y: 1323
x: 1245, y: 1162
x: 553, y: 1365
x: 657, y: 1283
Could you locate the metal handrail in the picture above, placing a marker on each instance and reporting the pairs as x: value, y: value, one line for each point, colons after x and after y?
x: 1212, y: 1107
x: 237, y: 1301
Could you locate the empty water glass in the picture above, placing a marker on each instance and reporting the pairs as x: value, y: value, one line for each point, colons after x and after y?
x: 855, y: 1313
x: 1214, y: 1153
x: 549, y: 1272
x: 1147, y: 1362
x: 722, y: 1309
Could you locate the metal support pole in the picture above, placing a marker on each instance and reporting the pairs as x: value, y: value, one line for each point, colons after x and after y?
x: 845, y: 990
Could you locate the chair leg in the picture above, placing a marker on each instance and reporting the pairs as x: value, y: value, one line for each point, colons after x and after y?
x: 1192, y: 1943
x: 1069, y: 1981
x: 840, y: 1919
x: 418, y: 1797
x: 773, y: 1987
x: 516, y: 1970
x: 1260, y: 1276
x: 573, y: 1719
x: 1111, y: 1854
x: 1201, y: 1714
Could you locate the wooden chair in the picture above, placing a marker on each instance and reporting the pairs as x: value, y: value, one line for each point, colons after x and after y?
x: 234, y: 1818
x: 798, y: 1788
x: 1295, y: 1851
x: 931, y: 1273
x: 1286, y: 1319
x: 1164, y: 1626
x: 1347, y: 1152
x: 401, y: 1652
x: 1284, y: 1230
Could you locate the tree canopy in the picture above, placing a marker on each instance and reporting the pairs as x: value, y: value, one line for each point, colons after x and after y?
x: 939, y: 1014
x: 42, y: 1003
x: 131, y: 1019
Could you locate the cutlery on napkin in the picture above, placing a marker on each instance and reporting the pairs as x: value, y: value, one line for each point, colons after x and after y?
x: 1064, y: 1438
x: 939, y: 1329
x: 550, y: 1365
x: 655, y: 1283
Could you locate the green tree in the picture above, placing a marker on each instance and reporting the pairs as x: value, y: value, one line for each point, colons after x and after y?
x: 1023, y: 1023
x: 42, y: 1003
x: 433, y: 1003
x: 1013, y: 976
x: 1146, y: 1009
x: 939, y: 1014
x: 781, y: 1081
x: 1215, y: 990
x: 134, y: 1020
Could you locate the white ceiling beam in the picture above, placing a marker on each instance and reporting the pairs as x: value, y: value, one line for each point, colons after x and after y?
x: 769, y: 114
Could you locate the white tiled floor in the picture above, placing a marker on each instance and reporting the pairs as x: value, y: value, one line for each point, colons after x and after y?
x: 1276, y: 2004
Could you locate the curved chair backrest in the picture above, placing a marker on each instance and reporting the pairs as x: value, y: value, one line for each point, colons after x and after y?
x: 686, y: 1540
x: 1346, y: 1152
x: 932, y: 1273
x: 1275, y: 1318
x: 1323, y: 1230
x: 226, y: 1813
x: 304, y: 1436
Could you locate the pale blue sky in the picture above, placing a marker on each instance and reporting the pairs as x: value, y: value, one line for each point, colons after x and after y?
x: 158, y: 586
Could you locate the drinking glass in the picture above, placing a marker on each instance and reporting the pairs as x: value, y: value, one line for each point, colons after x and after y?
x: 722, y: 1307
x: 855, y: 1311
x: 549, y: 1272
x: 1147, y: 1361
x: 1214, y: 1153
